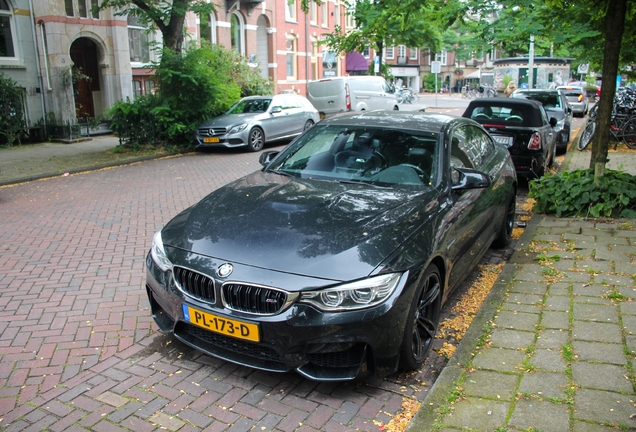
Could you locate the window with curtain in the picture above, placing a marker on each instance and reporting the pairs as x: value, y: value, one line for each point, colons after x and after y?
x: 6, y: 30
x: 138, y: 45
x: 291, y: 58
x: 236, y: 32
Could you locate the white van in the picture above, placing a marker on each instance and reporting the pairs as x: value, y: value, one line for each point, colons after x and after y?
x: 350, y: 93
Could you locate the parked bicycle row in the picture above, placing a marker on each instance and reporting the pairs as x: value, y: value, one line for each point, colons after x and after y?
x: 623, y: 121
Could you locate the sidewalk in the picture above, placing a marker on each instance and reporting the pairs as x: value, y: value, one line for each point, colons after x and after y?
x: 30, y: 162
x: 552, y: 348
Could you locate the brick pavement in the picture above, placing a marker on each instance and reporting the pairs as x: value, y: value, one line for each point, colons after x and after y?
x: 79, y: 349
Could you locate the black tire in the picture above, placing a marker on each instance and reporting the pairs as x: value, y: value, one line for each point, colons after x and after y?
x: 255, y: 140
x: 552, y: 156
x: 629, y: 134
x: 308, y: 125
x: 422, y: 320
x: 396, y: 108
x: 586, y: 136
x: 504, y: 237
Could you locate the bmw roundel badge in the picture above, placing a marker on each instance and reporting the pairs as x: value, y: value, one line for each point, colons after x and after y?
x: 224, y: 270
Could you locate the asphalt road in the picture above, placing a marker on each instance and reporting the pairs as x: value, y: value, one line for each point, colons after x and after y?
x: 80, y: 350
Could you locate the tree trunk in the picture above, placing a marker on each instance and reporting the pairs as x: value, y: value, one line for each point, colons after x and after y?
x: 614, y: 26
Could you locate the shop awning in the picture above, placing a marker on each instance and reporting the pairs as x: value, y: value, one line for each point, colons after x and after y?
x: 355, y: 61
x: 473, y: 75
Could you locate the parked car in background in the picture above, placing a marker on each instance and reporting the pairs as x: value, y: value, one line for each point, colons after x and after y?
x: 523, y: 127
x: 335, y: 259
x: 256, y: 120
x: 577, y: 98
x: 351, y: 93
x: 557, y: 106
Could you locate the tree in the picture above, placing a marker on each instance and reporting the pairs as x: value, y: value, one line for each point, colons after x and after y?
x: 168, y: 16
x: 409, y: 22
x: 11, y: 110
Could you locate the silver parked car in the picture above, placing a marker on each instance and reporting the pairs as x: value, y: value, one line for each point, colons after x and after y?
x: 255, y: 120
x: 577, y: 98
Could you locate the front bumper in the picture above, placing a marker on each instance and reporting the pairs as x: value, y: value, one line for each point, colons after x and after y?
x: 319, y: 345
x: 224, y: 142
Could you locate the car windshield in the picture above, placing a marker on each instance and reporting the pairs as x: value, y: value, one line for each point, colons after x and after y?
x: 250, y: 106
x: 549, y: 100
x: 381, y: 157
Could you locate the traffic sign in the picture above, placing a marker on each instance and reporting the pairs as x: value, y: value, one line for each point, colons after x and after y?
x: 436, y: 66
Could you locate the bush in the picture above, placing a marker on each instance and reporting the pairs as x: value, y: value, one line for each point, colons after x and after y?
x: 574, y: 193
x: 428, y: 82
x: 11, y: 110
x: 193, y: 87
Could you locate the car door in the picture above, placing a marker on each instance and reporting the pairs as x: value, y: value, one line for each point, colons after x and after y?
x: 548, y: 135
x: 276, y: 124
x: 472, y: 228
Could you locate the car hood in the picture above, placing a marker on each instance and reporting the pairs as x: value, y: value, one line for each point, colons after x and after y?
x: 314, y: 228
x: 230, y: 120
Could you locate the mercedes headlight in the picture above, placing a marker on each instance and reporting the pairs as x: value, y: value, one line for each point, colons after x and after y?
x: 159, y: 254
x: 355, y: 295
x: 238, y: 128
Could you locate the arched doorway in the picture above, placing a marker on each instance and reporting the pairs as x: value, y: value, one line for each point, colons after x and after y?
x: 85, y: 58
x: 262, y: 46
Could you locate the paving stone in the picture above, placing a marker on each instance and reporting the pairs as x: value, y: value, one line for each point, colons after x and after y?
x: 499, y: 359
x: 594, y: 266
x: 575, y: 276
x: 601, y: 376
x: 491, y: 385
x: 595, y: 312
x: 555, y: 320
x: 544, y: 384
x: 580, y: 426
x: 560, y: 289
x: 520, y: 307
x: 540, y: 415
x: 628, y: 292
x: 599, y: 332
x: 604, y: 406
x: 529, y: 299
x: 629, y: 324
x: 548, y: 359
x: 553, y: 339
x: 557, y: 303
x: 601, y: 352
x: 625, y: 268
x: 488, y: 414
x: 592, y: 300
x: 517, y: 320
x: 514, y: 339
x: 528, y: 287
x: 628, y: 308
x: 591, y: 289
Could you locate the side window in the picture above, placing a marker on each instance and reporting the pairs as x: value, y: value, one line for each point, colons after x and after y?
x: 544, y: 116
x: 485, y: 145
x: 459, y: 156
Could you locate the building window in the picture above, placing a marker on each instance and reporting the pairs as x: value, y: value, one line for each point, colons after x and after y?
x: 350, y: 21
x: 441, y: 57
x: 313, y: 12
x: 314, y: 59
x: 94, y: 5
x: 389, y: 53
x: 401, y: 51
x: 413, y: 53
x: 366, y: 53
x: 325, y: 13
x: 6, y: 30
x: 138, y: 41
x: 291, y: 58
x: 150, y: 86
x: 237, y: 30
x: 68, y: 6
x: 137, y: 88
x: 290, y: 10
x: 81, y: 6
x: 207, y: 28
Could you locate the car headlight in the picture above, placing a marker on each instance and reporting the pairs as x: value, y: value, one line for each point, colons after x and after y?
x: 560, y: 124
x: 238, y: 128
x: 159, y: 254
x: 355, y: 295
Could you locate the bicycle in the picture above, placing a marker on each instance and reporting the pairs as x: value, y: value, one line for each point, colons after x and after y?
x: 406, y: 95
x: 622, y: 127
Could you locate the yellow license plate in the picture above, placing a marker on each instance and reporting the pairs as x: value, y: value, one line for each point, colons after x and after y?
x: 218, y: 324
x: 211, y: 140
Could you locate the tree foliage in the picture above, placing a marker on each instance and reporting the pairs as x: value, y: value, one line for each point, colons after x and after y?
x: 11, y: 110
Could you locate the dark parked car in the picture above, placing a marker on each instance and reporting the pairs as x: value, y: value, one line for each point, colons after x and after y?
x: 256, y: 120
x: 335, y: 259
x: 557, y: 106
x: 522, y: 126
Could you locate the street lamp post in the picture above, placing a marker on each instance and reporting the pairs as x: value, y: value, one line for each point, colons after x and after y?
x: 531, y: 63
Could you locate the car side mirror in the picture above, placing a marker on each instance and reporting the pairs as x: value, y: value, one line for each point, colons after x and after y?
x: 267, y: 157
x: 276, y: 110
x: 553, y: 122
x: 466, y: 178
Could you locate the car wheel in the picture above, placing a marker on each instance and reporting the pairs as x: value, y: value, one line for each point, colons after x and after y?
x: 504, y: 236
x: 552, y: 156
x: 396, y: 108
x: 308, y: 125
x: 256, y: 140
x: 422, y: 320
